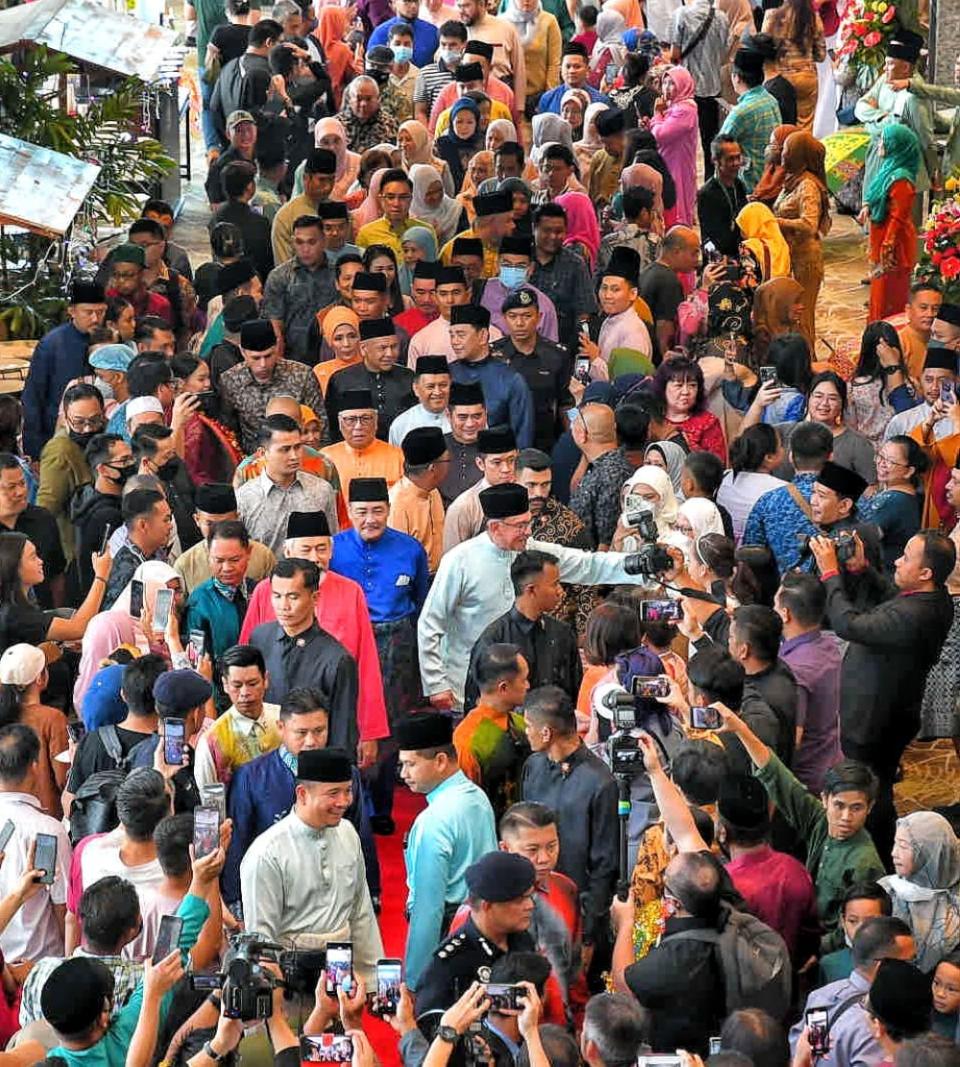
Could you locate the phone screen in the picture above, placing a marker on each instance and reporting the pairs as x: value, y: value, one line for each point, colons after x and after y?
x: 195, y: 647
x: 326, y: 1048
x: 173, y: 737
x: 6, y: 833
x: 660, y: 610
x: 339, y: 965
x: 581, y: 368
x: 206, y: 831
x: 162, y: 604
x: 168, y: 937
x: 389, y: 976
x: 946, y: 392
x: 818, y: 1031
x: 76, y: 731
x: 45, y: 857
x: 136, y: 598
x: 705, y: 718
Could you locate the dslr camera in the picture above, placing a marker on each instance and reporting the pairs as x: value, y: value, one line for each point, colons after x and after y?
x: 844, y: 541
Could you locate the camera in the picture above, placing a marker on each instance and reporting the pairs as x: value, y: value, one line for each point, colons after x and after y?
x: 643, y: 521
x: 247, y: 986
x: 843, y: 540
x: 652, y: 559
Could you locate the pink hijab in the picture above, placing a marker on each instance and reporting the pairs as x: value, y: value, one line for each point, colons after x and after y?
x: 369, y: 210
x: 683, y: 87
x: 582, y: 226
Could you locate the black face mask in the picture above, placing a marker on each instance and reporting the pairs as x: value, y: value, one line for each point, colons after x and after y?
x: 379, y: 76
x: 168, y: 470
x: 81, y: 439
x: 122, y: 473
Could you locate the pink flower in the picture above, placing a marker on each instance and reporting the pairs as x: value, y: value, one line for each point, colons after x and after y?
x: 889, y: 15
x: 873, y: 39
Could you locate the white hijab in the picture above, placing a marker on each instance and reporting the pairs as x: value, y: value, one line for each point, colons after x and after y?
x: 665, y: 510
x: 446, y: 216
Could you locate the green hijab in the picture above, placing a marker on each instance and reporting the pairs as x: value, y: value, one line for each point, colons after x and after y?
x: 901, y: 160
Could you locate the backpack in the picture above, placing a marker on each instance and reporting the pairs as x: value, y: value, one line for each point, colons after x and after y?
x: 94, y: 808
x: 753, y: 960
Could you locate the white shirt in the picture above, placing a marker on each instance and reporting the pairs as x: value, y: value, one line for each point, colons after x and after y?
x: 101, y: 857
x: 434, y: 340
x: 905, y: 421
x: 412, y: 419
x: 738, y: 496
x: 295, y: 880
x: 34, y: 931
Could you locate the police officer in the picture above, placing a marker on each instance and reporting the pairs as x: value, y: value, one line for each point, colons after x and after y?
x: 501, y: 888
x: 543, y: 365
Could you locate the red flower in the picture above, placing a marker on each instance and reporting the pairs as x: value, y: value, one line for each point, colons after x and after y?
x: 950, y: 268
x: 889, y: 15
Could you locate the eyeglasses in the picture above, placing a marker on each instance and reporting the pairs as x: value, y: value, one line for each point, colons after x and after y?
x: 827, y: 398
x: 888, y: 462
x: 396, y: 197
x: 357, y: 420
x: 94, y: 423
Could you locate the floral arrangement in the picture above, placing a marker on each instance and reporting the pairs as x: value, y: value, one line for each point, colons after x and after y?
x: 940, y: 252
x: 866, y: 27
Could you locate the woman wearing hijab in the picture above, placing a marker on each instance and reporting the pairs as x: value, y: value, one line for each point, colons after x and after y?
x: 522, y: 214
x: 888, y: 206
x: 648, y: 487
x: 777, y: 309
x: 542, y: 42
x: 499, y: 132
x: 925, y: 885
x: 761, y: 234
x: 803, y: 213
x: 676, y: 129
x: 332, y: 26
x: 431, y: 203
x: 462, y: 140
x: 670, y: 456
x: 590, y: 142
x: 111, y: 629
x: 330, y: 134
x: 573, y: 108
x: 609, y: 49
x: 771, y: 181
x: 419, y: 245
x: 697, y: 517
x: 369, y: 210
x: 416, y: 146
x: 583, y: 231
x: 341, y: 337
x: 549, y: 129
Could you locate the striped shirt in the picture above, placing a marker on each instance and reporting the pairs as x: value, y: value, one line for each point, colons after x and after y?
x: 709, y: 55
x: 431, y: 79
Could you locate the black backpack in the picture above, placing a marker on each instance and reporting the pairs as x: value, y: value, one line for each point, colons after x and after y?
x: 94, y: 808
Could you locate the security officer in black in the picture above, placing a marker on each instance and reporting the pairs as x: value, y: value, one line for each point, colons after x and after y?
x: 501, y: 886
x: 543, y: 365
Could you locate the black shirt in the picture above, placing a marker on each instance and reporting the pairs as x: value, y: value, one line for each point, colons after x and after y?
x: 41, y: 527
x: 661, y: 289
x: 256, y: 233
x: 230, y: 41
x: 547, y: 372
x: 681, y: 984
x: 583, y: 793
x: 92, y: 756
x: 392, y: 394
x: 223, y: 356
x: 91, y: 512
x: 717, y: 208
x: 777, y: 688
x: 786, y: 97
x: 462, y: 471
x: 548, y: 646
x: 23, y: 623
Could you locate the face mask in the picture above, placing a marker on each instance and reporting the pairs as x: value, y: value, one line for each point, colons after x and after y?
x: 168, y: 470
x: 121, y: 473
x: 512, y: 277
x: 81, y: 439
x: 402, y: 54
x: 379, y: 76
x: 451, y: 56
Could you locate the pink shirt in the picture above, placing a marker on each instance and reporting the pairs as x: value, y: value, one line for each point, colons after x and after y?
x: 342, y: 612
x: 777, y: 889
x: 495, y: 89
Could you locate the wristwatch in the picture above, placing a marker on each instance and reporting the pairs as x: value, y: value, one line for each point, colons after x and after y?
x: 208, y: 1050
x: 448, y: 1034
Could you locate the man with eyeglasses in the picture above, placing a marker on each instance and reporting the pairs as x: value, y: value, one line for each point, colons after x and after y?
x: 63, y: 466
x: 391, y: 568
x: 128, y: 264
x: 497, y: 461
x: 20, y: 516
x: 396, y: 195
x: 361, y: 454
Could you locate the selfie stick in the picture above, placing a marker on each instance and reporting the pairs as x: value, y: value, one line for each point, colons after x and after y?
x: 624, y: 808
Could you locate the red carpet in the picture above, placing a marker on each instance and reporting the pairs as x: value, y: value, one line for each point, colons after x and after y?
x: 393, y: 925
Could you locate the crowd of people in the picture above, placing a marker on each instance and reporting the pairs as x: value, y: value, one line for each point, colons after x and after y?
x: 490, y: 456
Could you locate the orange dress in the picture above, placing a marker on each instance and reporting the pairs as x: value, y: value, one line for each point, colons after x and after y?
x: 893, y: 244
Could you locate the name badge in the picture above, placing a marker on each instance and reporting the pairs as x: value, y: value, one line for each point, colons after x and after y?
x: 403, y: 579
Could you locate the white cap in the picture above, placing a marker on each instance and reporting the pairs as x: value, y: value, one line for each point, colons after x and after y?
x: 21, y: 665
x: 140, y: 405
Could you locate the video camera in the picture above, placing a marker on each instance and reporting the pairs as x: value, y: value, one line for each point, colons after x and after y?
x: 247, y: 986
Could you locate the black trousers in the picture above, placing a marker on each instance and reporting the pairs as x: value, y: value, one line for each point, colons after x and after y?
x: 708, y: 119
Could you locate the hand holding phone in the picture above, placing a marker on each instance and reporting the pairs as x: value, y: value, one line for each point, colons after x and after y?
x: 162, y: 606
x: 168, y: 937
x: 174, y: 737
x: 206, y: 831
x: 45, y: 857
x: 339, y: 965
x: 136, y: 598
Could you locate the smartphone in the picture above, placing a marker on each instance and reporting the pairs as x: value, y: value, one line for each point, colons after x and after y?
x: 6, y: 833
x: 818, y: 1031
x: 503, y: 996
x: 45, y: 857
x: 173, y: 741
x: 768, y: 374
x: 136, y: 598
x: 339, y: 965
x: 215, y: 796
x: 162, y: 604
x: 195, y: 647
x: 611, y: 73
x: 710, y: 251
x: 715, y: 1046
x: 705, y: 718
x: 659, y: 1061
x: 660, y: 610
x: 389, y: 977
x: 584, y: 328
x: 168, y: 937
x: 946, y: 392
x: 581, y: 368
x: 206, y: 831
x: 326, y: 1048
x: 105, y: 540
x: 658, y: 686
x: 76, y: 731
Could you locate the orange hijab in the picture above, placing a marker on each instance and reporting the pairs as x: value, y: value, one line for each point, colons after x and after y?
x: 330, y: 29
x: 771, y: 181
